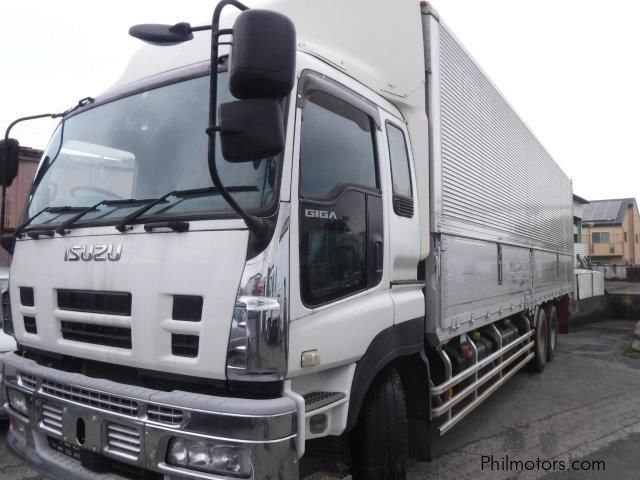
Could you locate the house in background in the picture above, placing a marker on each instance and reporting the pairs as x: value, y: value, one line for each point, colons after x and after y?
x: 611, y: 230
x: 579, y: 246
x: 17, y: 193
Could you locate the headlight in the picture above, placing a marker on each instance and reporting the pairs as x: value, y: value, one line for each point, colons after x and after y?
x: 210, y: 457
x: 18, y: 402
x: 7, y: 322
x: 258, y: 341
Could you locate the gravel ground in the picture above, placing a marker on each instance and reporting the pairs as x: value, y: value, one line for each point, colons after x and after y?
x: 585, y: 406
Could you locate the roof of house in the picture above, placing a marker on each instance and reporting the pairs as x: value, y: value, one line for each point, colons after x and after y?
x: 30, y: 154
x: 607, y: 212
x: 579, y: 199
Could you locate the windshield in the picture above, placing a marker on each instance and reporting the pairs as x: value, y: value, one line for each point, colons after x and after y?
x: 141, y: 147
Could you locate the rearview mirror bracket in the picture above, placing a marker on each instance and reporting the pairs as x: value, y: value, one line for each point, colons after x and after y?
x: 260, y: 228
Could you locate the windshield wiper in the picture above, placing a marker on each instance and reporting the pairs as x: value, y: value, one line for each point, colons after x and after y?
x: 123, y: 225
x: 45, y: 230
x: 62, y: 229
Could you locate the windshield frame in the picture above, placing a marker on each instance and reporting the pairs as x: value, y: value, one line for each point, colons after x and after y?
x: 160, y: 80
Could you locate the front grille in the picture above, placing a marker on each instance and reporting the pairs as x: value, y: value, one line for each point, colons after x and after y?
x: 187, y: 308
x: 161, y: 414
x: 30, y: 325
x: 123, y: 439
x: 27, y: 297
x: 27, y: 381
x: 104, y: 401
x: 117, y: 337
x: 184, y: 345
x: 51, y: 418
x: 111, y: 303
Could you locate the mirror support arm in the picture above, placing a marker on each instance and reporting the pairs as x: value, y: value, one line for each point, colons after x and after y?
x: 258, y: 227
x: 4, y: 164
x: 81, y: 103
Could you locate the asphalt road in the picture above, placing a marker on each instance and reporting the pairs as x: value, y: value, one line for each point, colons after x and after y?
x: 584, y: 407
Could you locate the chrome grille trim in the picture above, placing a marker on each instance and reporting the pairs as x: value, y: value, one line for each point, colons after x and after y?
x: 104, y: 401
x: 27, y: 381
x: 123, y: 440
x: 120, y: 405
x: 51, y: 418
x: 162, y: 414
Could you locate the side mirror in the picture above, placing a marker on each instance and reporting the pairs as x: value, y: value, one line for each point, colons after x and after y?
x: 162, y: 35
x: 263, y: 55
x: 251, y: 129
x: 9, y: 158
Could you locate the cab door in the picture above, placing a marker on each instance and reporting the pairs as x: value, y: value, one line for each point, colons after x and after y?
x: 340, y: 281
x: 404, y: 225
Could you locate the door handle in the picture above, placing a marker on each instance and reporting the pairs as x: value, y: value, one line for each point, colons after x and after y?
x: 379, y: 256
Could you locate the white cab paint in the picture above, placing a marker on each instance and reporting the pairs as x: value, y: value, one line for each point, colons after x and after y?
x: 153, y: 268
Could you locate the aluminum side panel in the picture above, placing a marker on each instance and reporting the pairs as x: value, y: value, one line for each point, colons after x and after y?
x: 490, y: 175
x: 466, y: 291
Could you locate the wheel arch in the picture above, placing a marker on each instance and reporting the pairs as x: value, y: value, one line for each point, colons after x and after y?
x: 401, y: 347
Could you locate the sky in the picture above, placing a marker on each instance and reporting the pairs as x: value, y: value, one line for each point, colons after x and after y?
x: 569, y: 68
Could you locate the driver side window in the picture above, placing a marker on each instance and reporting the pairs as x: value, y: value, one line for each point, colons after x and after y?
x: 338, y: 175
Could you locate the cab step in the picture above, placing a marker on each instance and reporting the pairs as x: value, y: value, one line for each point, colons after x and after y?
x: 315, y: 400
x: 326, y: 476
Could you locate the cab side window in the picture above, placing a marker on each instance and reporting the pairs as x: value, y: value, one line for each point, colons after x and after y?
x: 399, y: 158
x: 338, y: 175
x: 337, y: 146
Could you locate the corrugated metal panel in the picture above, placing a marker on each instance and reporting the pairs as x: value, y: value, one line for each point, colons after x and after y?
x: 495, y: 175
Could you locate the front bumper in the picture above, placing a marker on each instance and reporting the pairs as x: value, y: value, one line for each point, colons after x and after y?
x: 3, y: 399
x: 81, y: 428
x: 3, y: 393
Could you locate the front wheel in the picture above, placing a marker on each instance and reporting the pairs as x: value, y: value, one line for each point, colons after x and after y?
x: 379, y: 442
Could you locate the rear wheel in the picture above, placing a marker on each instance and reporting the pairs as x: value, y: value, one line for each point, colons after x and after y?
x: 379, y: 442
x: 541, y: 336
x: 552, y: 318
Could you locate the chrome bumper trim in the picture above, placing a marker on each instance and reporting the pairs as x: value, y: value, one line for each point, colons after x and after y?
x: 268, y: 428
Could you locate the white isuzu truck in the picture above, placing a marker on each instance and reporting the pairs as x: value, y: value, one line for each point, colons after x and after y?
x: 309, y: 236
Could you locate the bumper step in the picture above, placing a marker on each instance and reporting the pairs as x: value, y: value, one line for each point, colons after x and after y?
x: 316, y: 400
x: 326, y: 476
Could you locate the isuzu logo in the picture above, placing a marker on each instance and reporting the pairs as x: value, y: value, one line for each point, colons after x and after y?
x: 320, y: 214
x: 97, y: 253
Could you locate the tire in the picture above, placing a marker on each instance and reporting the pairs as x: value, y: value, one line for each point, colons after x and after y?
x: 552, y: 342
x: 541, y: 336
x: 379, y: 441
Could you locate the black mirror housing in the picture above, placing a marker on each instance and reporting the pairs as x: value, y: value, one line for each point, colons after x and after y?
x: 9, y: 159
x: 251, y: 130
x: 263, y: 55
x: 157, y: 34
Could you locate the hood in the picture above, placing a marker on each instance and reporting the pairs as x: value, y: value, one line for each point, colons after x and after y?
x: 131, y: 299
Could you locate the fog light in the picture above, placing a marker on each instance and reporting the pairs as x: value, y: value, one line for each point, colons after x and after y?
x: 318, y: 423
x: 18, y: 402
x: 210, y: 457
